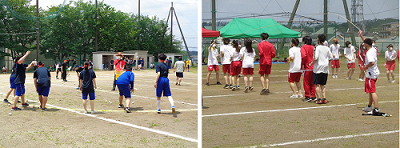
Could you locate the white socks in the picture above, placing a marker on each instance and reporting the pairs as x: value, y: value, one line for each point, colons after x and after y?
x: 158, y: 103
x: 171, y: 100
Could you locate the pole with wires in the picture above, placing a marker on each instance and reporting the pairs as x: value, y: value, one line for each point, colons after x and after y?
x: 37, y: 29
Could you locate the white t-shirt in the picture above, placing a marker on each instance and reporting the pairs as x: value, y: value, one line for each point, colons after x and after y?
x: 389, y: 55
x: 322, y: 55
x: 349, y: 52
x: 295, y: 65
x: 335, y: 51
x: 235, y: 55
x: 248, y: 58
x: 373, y: 71
x: 227, y: 49
x: 212, y: 56
x: 179, y: 65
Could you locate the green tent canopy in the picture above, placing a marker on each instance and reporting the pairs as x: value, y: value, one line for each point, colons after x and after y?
x: 253, y: 27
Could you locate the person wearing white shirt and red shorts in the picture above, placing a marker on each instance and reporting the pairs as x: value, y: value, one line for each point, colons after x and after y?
x: 349, y: 54
x: 295, y: 69
x: 226, y: 52
x: 390, y: 62
x: 212, y: 62
x: 247, y: 54
x: 335, y: 50
x: 372, y: 73
x: 236, y: 65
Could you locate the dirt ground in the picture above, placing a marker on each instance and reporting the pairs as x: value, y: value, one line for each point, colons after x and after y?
x: 65, y: 125
x: 239, y: 119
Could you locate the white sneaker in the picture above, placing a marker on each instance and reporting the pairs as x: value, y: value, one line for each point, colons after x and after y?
x: 300, y: 96
x: 293, y: 96
x: 336, y: 76
x: 333, y: 76
x: 367, y: 109
x: 360, y: 79
x: 393, y: 81
x: 347, y: 78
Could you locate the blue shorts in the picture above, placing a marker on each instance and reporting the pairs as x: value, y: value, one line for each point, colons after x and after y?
x: 163, y: 87
x: 43, y: 91
x: 12, y: 85
x: 20, y: 89
x: 91, y: 96
x: 124, y: 90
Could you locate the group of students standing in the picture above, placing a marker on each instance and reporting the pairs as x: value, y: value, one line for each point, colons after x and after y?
x: 311, y: 61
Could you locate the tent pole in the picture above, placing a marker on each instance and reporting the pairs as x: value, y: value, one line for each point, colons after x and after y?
x: 214, y: 24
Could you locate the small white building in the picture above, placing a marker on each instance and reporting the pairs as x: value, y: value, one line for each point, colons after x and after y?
x: 102, y: 59
x: 173, y: 56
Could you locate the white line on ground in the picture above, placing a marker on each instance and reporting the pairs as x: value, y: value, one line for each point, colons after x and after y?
x: 289, y: 109
x: 288, y: 92
x: 328, y: 138
x: 126, y: 124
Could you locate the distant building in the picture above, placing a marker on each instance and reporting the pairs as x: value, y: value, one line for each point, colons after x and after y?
x: 389, y: 30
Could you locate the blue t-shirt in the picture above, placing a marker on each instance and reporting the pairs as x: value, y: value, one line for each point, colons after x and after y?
x: 42, y: 74
x: 87, y: 84
x: 142, y: 62
x: 13, y: 73
x: 126, y: 78
x: 20, y: 73
x: 169, y: 63
x: 163, y: 69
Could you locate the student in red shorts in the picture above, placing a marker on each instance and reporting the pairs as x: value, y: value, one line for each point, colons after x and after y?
x: 236, y: 65
x: 361, y: 58
x: 349, y: 54
x: 266, y: 52
x: 226, y: 52
x: 212, y: 62
x: 295, y: 69
x: 247, y: 56
x: 372, y: 73
x: 335, y: 49
x: 390, y: 62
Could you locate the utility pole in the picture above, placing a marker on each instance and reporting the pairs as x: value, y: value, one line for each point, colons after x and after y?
x: 37, y: 30
x: 172, y: 14
x: 289, y: 25
x: 184, y: 41
x: 139, y: 24
x: 326, y: 18
x: 346, y: 9
x: 214, y: 24
x: 95, y: 29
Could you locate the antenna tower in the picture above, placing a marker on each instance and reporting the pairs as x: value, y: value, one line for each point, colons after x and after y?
x: 357, y: 14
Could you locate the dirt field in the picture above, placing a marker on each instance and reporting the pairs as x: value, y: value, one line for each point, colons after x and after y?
x: 239, y: 119
x: 65, y: 124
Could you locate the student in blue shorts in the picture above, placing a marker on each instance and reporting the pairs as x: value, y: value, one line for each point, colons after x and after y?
x: 162, y: 83
x: 41, y: 79
x: 12, y: 85
x: 88, y: 84
x: 125, y: 83
x: 19, y: 81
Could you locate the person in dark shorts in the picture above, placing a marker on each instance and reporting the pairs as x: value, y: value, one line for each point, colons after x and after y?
x: 162, y: 83
x: 41, y: 79
x: 88, y: 84
x: 179, y: 67
x: 12, y: 85
x: 125, y: 83
x: 64, y: 71
x: 322, y: 56
x: 19, y: 81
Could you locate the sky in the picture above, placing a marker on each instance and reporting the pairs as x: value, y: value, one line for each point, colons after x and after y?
x: 186, y: 11
x: 312, y: 8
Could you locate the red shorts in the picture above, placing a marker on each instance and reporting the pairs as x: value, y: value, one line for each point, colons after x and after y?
x: 390, y: 65
x: 351, y: 65
x: 226, y: 68
x: 213, y: 67
x: 236, y: 67
x: 264, y: 69
x: 294, y: 77
x: 248, y: 71
x: 370, y: 85
x: 335, y: 63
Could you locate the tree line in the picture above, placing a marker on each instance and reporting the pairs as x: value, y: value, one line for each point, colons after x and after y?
x: 72, y: 33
